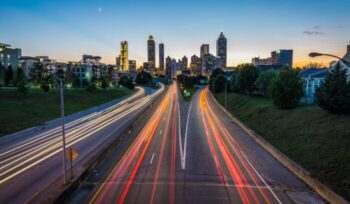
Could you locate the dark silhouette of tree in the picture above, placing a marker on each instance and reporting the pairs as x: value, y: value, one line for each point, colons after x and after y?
x: 334, y: 92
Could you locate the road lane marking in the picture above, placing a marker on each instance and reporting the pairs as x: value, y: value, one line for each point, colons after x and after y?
x: 251, y: 165
x: 180, y: 140
x: 151, y: 159
x: 183, y: 159
x: 160, y: 131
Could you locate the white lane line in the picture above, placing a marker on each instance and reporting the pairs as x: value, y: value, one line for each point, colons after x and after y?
x: 160, y: 131
x: 183, y: 159
x: 180, y: 140
x: 151, y: 159
x: 250, y: 164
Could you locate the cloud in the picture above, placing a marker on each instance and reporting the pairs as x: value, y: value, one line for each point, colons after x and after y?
x: 308, y: 32
x: 340, y: 26
x: 316, y: 27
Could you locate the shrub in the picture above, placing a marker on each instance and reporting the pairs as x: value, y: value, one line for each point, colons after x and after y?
x: 286, y: 89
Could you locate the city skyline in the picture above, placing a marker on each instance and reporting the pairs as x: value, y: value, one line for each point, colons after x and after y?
x: 251, y: 32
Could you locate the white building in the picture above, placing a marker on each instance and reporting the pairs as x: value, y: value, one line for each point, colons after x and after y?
x: 312, y: 78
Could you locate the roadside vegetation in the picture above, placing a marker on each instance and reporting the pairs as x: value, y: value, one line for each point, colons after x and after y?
x: 316, y: 136
x: 20, y: 111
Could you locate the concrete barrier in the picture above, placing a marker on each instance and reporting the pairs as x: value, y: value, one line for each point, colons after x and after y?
x: 304, y: 175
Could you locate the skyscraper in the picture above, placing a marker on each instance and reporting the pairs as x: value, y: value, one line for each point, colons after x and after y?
x: 204, y: 49
x: 285, y: 57
x: 221, y: 49
x: 151, y: 54
x: 168, y: 66
x: 196, y: 65
x: 184, y: 63
x: 124, y: 61
x: 161, y: 58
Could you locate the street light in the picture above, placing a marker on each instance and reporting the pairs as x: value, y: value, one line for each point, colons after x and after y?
x: 62, y: 80
x: 316, y: 54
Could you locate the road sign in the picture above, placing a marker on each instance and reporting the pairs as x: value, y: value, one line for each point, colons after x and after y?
x: 71, y: 154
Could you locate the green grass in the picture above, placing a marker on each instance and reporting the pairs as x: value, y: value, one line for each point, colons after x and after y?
x: 18, y: 111
x: 317, y: 140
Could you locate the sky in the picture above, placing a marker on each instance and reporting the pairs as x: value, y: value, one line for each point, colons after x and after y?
x: 66, y: 29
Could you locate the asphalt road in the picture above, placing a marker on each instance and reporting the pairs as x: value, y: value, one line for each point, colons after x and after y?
x: 31, y: 162
x: 193, y: 153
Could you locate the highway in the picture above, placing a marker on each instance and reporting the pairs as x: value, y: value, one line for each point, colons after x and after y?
x: 191, y: 152
x: 30, y: 164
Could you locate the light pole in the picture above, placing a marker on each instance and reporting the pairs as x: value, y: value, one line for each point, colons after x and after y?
x: 316, y: 54
x: 62, y: 80
x: 63, y: 132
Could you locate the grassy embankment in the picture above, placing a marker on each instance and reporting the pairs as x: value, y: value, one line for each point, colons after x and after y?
x: 317, y: 140
x: 18, y: 111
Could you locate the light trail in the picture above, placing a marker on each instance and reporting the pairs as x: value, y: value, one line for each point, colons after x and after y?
x: 47, y: 144
x: 118, y: 183
x: 155, y: 181
x: 237, y: 163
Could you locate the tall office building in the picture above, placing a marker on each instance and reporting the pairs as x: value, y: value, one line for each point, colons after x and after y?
x: 196, y: 65
x: 184, y: 63
x: 204, y: 53
x: 151, y: 54
x: 124, y: 61
x: 285, y: 57
x: 221, y: 49
x: 167, y: 66
x: 161, y: 58
x: 204, y: 49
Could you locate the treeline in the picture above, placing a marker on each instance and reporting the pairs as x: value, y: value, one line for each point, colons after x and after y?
x: 40, y: 77
x: 285, y: 87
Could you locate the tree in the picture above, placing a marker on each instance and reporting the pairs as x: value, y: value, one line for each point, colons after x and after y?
x: 286, y: 89
x: 21, y: 83
x: 9, y: 76
x: 2, y: 75
x: 264, y: 80
x: 245, y: 78
x: 74, y: 80
x: 36, y: 73
x: 213, y: 76
x: 143, y: 78
x: 126, y: 82
x: 215, y: 73
x: 104, y: 83
x: 334, y: 92
x: 219, y: 83
x: 92, y: 85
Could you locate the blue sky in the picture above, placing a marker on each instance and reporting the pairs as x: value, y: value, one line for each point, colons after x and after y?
x: 67, y: 29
